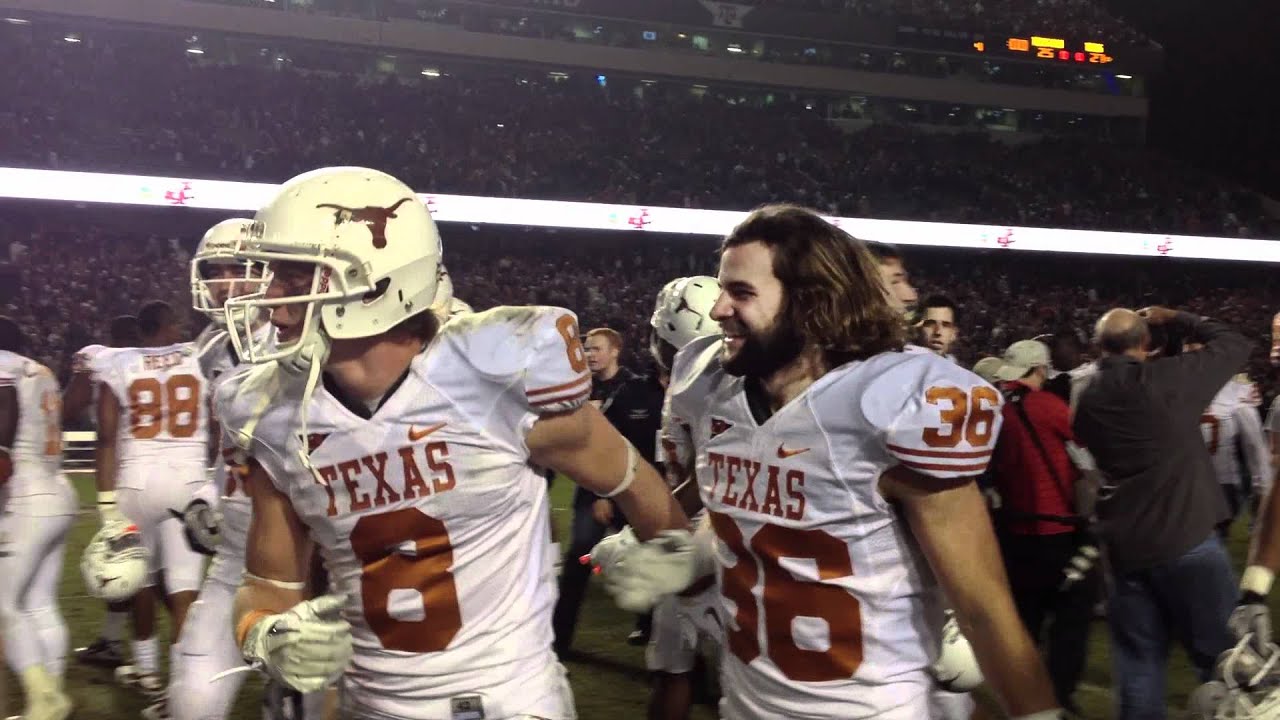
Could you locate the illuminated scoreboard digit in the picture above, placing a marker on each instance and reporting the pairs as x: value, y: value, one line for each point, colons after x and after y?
x: 1050, y: 48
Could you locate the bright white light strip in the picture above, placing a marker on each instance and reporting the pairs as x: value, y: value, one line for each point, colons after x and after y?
x: 242, y: 196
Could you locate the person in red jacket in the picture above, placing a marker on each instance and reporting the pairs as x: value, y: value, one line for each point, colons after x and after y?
x: 1035, y: 478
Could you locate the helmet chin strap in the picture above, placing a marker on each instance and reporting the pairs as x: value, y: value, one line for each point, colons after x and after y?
x: 310, y: 358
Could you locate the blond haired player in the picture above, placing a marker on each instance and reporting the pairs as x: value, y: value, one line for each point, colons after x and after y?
x: 838, y: 474
x: 151, y: 457
x: 37, y: 508
x: 403, y: 451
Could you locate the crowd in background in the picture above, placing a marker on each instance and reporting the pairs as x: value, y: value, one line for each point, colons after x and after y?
x: 517, y: 133
x: 67, y: 276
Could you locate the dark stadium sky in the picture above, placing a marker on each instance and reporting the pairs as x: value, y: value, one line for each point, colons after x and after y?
x: 1217, y: 103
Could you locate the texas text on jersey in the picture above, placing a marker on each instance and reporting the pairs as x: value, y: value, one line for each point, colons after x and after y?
x: 428, y: 515
x: 830, y: 609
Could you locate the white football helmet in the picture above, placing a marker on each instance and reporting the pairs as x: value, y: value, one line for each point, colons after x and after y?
x: 217, y: 248
x: 957, y: 667
x: 374, y: 247
x: 444, y: 292
x: 115, y: 564
x: 683, y: 313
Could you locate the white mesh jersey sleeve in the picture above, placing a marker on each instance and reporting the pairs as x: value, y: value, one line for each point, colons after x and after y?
x: 937, y: 418
x: 511, y: 365
x: 82, y: 361
x: 680, y: 409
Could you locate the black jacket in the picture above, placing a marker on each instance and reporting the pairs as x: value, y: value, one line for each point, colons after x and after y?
x: 1141, y: 421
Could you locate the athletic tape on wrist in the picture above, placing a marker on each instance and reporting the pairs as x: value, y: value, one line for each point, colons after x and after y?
x: 107, y: 497
x: 246, y: 624
x: 632, y: 460
x: 283, y: 585
x: 1257, y: 579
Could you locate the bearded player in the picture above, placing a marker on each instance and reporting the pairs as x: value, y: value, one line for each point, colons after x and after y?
x: 402, y: 450
x: 37, y: 509
x: 686, y: 623
x: 838, y: 473
x: 151, y: 457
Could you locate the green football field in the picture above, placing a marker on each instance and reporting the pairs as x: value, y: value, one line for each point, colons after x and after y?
x: 608, y: 676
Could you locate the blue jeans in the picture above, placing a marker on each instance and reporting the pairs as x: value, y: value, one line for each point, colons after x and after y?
x: 1189, y: 599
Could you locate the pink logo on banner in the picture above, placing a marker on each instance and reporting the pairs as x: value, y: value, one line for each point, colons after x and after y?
x: 431, y: 204
x: 1165, y: 247
x: 1006, y: 239
x: 180, y: 196
x: 640, y: 220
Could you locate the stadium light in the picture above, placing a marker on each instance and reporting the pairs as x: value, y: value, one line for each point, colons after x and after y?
x: 85, y: 187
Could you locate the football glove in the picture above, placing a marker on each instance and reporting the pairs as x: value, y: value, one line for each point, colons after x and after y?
x: 639, y: 574
x: 202, y: 524
x: 304, y: 648
x: 1252, y: 620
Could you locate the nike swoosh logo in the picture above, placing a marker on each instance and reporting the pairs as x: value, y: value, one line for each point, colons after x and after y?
x: 104, y: 581
x: 415, y: 434
x: 784, y: 453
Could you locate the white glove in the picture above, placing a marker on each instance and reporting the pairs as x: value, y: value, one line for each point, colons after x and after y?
x: 304, y: 648
x: 639, y: 574
x: 202, y: 524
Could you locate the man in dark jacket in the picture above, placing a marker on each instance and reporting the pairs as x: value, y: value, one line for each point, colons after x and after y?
x: 633, y: 404
x: 1161, y: 502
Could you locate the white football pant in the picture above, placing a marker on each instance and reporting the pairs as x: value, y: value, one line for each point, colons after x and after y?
x: 31, y: 624
x: 145, y: 497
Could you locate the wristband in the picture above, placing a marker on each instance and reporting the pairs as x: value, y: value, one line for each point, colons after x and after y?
x: 1257, y: 580
x: 106, y: 497
x: 246, y: 624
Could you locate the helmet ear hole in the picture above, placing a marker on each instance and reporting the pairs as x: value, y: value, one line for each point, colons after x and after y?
x: 378, y: 290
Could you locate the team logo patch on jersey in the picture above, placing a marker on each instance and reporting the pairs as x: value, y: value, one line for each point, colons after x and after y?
x: 314, y: 440
x: 375, y: 218
x: 718, y: 426
x: 467, y: 707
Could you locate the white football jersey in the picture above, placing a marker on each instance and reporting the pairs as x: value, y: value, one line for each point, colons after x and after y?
x: 218, y: 360
x: 163, y: 396
x: 37, y: 444
x: 1233, y: 416
x: 428, y: 514
x: 830, y: 610
x: 83, y: 362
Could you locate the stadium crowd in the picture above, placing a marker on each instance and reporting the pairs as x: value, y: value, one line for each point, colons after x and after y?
x: 71, y: 275
x: 158, y: 111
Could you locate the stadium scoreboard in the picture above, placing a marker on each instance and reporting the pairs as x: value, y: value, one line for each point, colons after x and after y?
x: 1050, y: 49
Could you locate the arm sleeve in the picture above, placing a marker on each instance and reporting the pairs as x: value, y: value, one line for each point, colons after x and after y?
x: 1195, y: 378
x: 1257, y: 454
x: 947, y: 426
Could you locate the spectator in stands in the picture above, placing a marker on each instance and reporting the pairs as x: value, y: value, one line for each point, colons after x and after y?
x: 1038, y: 520
x: 633, y: 404
x: 1160, y: 504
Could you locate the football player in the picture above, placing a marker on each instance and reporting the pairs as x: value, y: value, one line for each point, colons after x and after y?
x: 686, y: 623
x: 37, y: 509
x: 80, y: 395
x: 403, y: 450
x: 217, y: 517
x: 151, y: 457
x: 950, y: 699
x: 1231, y: 418
x: 838, y: 474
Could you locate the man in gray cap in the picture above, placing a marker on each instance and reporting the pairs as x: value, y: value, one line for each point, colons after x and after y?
x: 1037, y: 521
